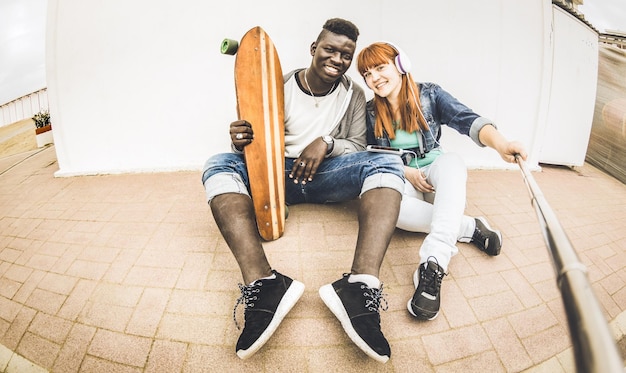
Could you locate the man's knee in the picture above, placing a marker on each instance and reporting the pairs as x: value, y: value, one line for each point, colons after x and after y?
x: 222, y: 183
x: 388, y: 172
x: 224, y: 173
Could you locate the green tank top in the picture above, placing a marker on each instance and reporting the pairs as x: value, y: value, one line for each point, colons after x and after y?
x: 406, y: 140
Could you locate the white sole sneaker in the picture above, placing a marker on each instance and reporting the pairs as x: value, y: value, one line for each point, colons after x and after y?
x: 291, y: 297
x: 333, y: 302
x: 416, y: 281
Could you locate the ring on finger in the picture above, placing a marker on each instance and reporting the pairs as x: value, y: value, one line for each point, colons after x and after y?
x: 239, y: 136
x: 302, y: 164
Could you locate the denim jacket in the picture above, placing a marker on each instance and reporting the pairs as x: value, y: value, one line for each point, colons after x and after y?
x: 439, y: 108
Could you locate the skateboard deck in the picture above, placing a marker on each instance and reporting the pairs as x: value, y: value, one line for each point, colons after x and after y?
x: 260, y: 101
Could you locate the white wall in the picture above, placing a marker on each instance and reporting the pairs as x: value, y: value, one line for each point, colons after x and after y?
x: 141, y: 86
x: 574, y: 78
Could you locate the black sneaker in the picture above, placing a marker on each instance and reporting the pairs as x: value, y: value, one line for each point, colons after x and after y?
x: 426, y: 299
x: 486, y: 238
x: 266, y: 303
x: 356, y: 306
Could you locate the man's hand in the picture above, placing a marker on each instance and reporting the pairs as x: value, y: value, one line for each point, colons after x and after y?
x: 305, y: 166
x: 241, y: 133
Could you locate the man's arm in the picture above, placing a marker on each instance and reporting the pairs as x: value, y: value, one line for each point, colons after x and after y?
x: 351, y: 135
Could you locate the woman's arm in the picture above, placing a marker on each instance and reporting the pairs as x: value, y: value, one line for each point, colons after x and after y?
x: 491, y: 137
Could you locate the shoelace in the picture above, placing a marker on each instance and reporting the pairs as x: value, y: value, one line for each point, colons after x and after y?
x: 377, y: 298
x: 432, y: 282
x: 247, y: 298
x: 481, y: 237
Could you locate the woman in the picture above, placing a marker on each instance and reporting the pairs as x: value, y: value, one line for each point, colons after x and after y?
x: 409, y: 116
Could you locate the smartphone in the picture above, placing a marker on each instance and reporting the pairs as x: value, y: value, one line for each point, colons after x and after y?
x: 384, y: 149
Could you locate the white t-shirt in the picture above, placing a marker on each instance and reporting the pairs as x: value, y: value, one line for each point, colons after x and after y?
x: 308, y: 117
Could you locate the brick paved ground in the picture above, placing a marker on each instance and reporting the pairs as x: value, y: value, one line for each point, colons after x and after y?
x: 128, y: 273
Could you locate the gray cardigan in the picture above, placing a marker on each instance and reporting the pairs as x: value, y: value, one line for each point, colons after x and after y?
x: 350, y: 132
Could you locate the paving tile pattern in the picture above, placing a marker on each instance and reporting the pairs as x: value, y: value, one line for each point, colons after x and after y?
x: 128, y: 273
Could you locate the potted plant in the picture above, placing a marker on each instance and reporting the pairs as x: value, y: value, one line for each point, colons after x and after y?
x: 43, y: 128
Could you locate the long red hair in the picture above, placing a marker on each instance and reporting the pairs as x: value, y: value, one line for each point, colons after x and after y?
x: 411, y: 117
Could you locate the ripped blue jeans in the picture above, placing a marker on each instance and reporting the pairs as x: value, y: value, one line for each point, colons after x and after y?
x: 337, y: 179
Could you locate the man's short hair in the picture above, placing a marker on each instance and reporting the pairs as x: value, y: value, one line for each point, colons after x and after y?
x: 340, y: 26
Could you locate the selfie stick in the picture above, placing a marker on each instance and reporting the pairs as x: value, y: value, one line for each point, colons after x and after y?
x: 595, y: 349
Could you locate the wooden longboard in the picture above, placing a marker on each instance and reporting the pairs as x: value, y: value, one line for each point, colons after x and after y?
x: 260, y: 100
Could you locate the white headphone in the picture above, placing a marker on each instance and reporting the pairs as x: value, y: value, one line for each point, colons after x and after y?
x: 403, y: 64
x: 402, y: 61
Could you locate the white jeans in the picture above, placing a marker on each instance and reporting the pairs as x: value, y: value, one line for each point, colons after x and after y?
x: 439, y: 214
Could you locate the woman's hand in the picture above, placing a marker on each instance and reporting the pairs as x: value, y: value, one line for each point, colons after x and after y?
x: 417, y: 178
x: 510, y: 149
x: 490, y: 136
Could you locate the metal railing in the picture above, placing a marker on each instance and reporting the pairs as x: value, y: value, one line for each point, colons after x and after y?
x: 595, y: 350
x: 615, y: 38
x: 23, y: 107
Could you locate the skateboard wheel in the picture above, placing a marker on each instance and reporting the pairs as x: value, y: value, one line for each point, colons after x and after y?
x: 229, y: 46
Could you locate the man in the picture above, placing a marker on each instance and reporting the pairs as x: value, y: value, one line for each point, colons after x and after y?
x: 325, y: 134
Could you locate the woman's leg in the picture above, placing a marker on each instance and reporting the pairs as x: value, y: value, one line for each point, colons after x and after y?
x: 416, y: 214
x: 448, y: 175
